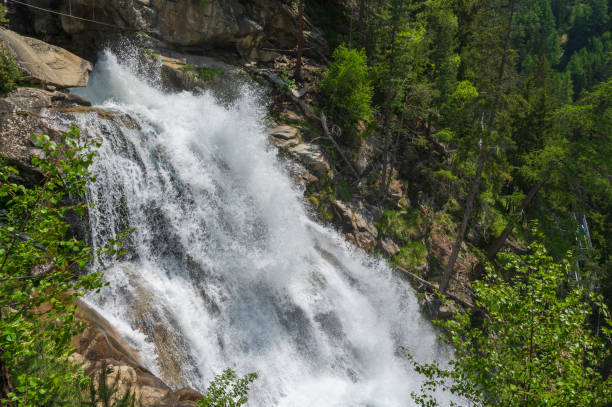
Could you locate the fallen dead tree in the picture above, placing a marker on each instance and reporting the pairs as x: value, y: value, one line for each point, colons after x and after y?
x: 434, y: 287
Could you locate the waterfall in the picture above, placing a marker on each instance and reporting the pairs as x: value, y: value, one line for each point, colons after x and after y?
x: 226, y: 268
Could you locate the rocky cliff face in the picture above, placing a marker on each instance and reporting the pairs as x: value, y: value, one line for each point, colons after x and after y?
x: 255, y: 29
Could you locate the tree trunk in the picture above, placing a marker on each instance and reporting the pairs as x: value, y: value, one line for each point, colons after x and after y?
x: 467, y: 215
x: 6, y: 386
x: 501, y: 239
x: 300, y: 45
x: 361, y: 38
x: 469, y: 205
x: 387, y: 132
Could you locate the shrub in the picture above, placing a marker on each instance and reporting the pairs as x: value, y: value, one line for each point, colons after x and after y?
x: 227, y: 390
x: 344, y: 191
x: 535, y: 345
x: 411, y: 255
x: 347, y: 90
x: 3, y: 19
x: 9, y: 72
x: 107, y: 393
x: 403, y: 227
x: 40, y: 276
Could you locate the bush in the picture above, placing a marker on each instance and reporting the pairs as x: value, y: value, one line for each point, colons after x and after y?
x: 412, y: 255
x: 535, y: 345
x: 403, y: 227
x: 227, y: 390
x: 40, y: 274
x: 347, y: 90
x: 104, y: 392
x: 3, y: 19
x: 9, y: 73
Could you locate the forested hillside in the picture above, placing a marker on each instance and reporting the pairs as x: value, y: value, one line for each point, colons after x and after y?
x: 496, y: 118
x: 496, y: 112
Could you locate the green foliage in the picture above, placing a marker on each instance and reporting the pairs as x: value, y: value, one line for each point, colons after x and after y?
x: 207, y: 74
x: 402, y: 226
x: 346, y: 88
x: 103, y: 392
x: 41, y: 270
x: 203, y: 73
x: 187, y: 68
x: 152, y: 54
x: 533, y: 346
x: 47, y: 380
x: 227, y: 390
x: 592, y: 63
x: 344, y: 191
x: 9, y: 72
x: 324, y: 197
x: 329, y: 189
x: 289, y: 81
x: 3, y: 19
x: 412, y: 255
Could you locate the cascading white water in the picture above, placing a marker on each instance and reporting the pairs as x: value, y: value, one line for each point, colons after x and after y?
x: 225, y: 267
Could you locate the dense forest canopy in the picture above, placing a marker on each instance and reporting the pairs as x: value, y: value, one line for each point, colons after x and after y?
x: 511, y: 103
x: 510, y: 95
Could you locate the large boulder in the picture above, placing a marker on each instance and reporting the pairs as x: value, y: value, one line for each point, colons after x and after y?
x: 311, y: 155
x: 21, y: 119
x: 284, y: 136
x: 100, y: 345
x: 45, y: 63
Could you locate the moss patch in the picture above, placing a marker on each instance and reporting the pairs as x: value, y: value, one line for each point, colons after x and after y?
x: 402, y: 226
x: 411, y: 255
x: 207, y: 74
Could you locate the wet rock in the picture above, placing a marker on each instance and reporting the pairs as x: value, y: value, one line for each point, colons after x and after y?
x: 101, y: 345
x: 285, y: 132
x: 182, y: 398
x: 45, y: 63
x: 102, y: 114
x: 198, y: 73
x: 429, y: 304
x: 299, y: 174
x: 311, y: 155
x: 357, y: 222
x: 125, y: 378
x: 152, y: 396
x: 290, y: 116
x: 187, y: 394
x: 19, y: 122
x: 389, y: 247
x: 284, y: 136
x: 22, y: 116
x: 101, y: 340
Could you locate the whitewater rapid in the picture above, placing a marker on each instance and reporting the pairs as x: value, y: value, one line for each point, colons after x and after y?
x: 225, y: 267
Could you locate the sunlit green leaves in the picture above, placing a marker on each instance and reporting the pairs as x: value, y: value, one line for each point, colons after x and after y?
x: 530, y: 344
x: 227, y: 390
x: 41, y: 270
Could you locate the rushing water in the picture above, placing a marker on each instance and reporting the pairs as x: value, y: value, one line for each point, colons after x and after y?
x: 225, y: 267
